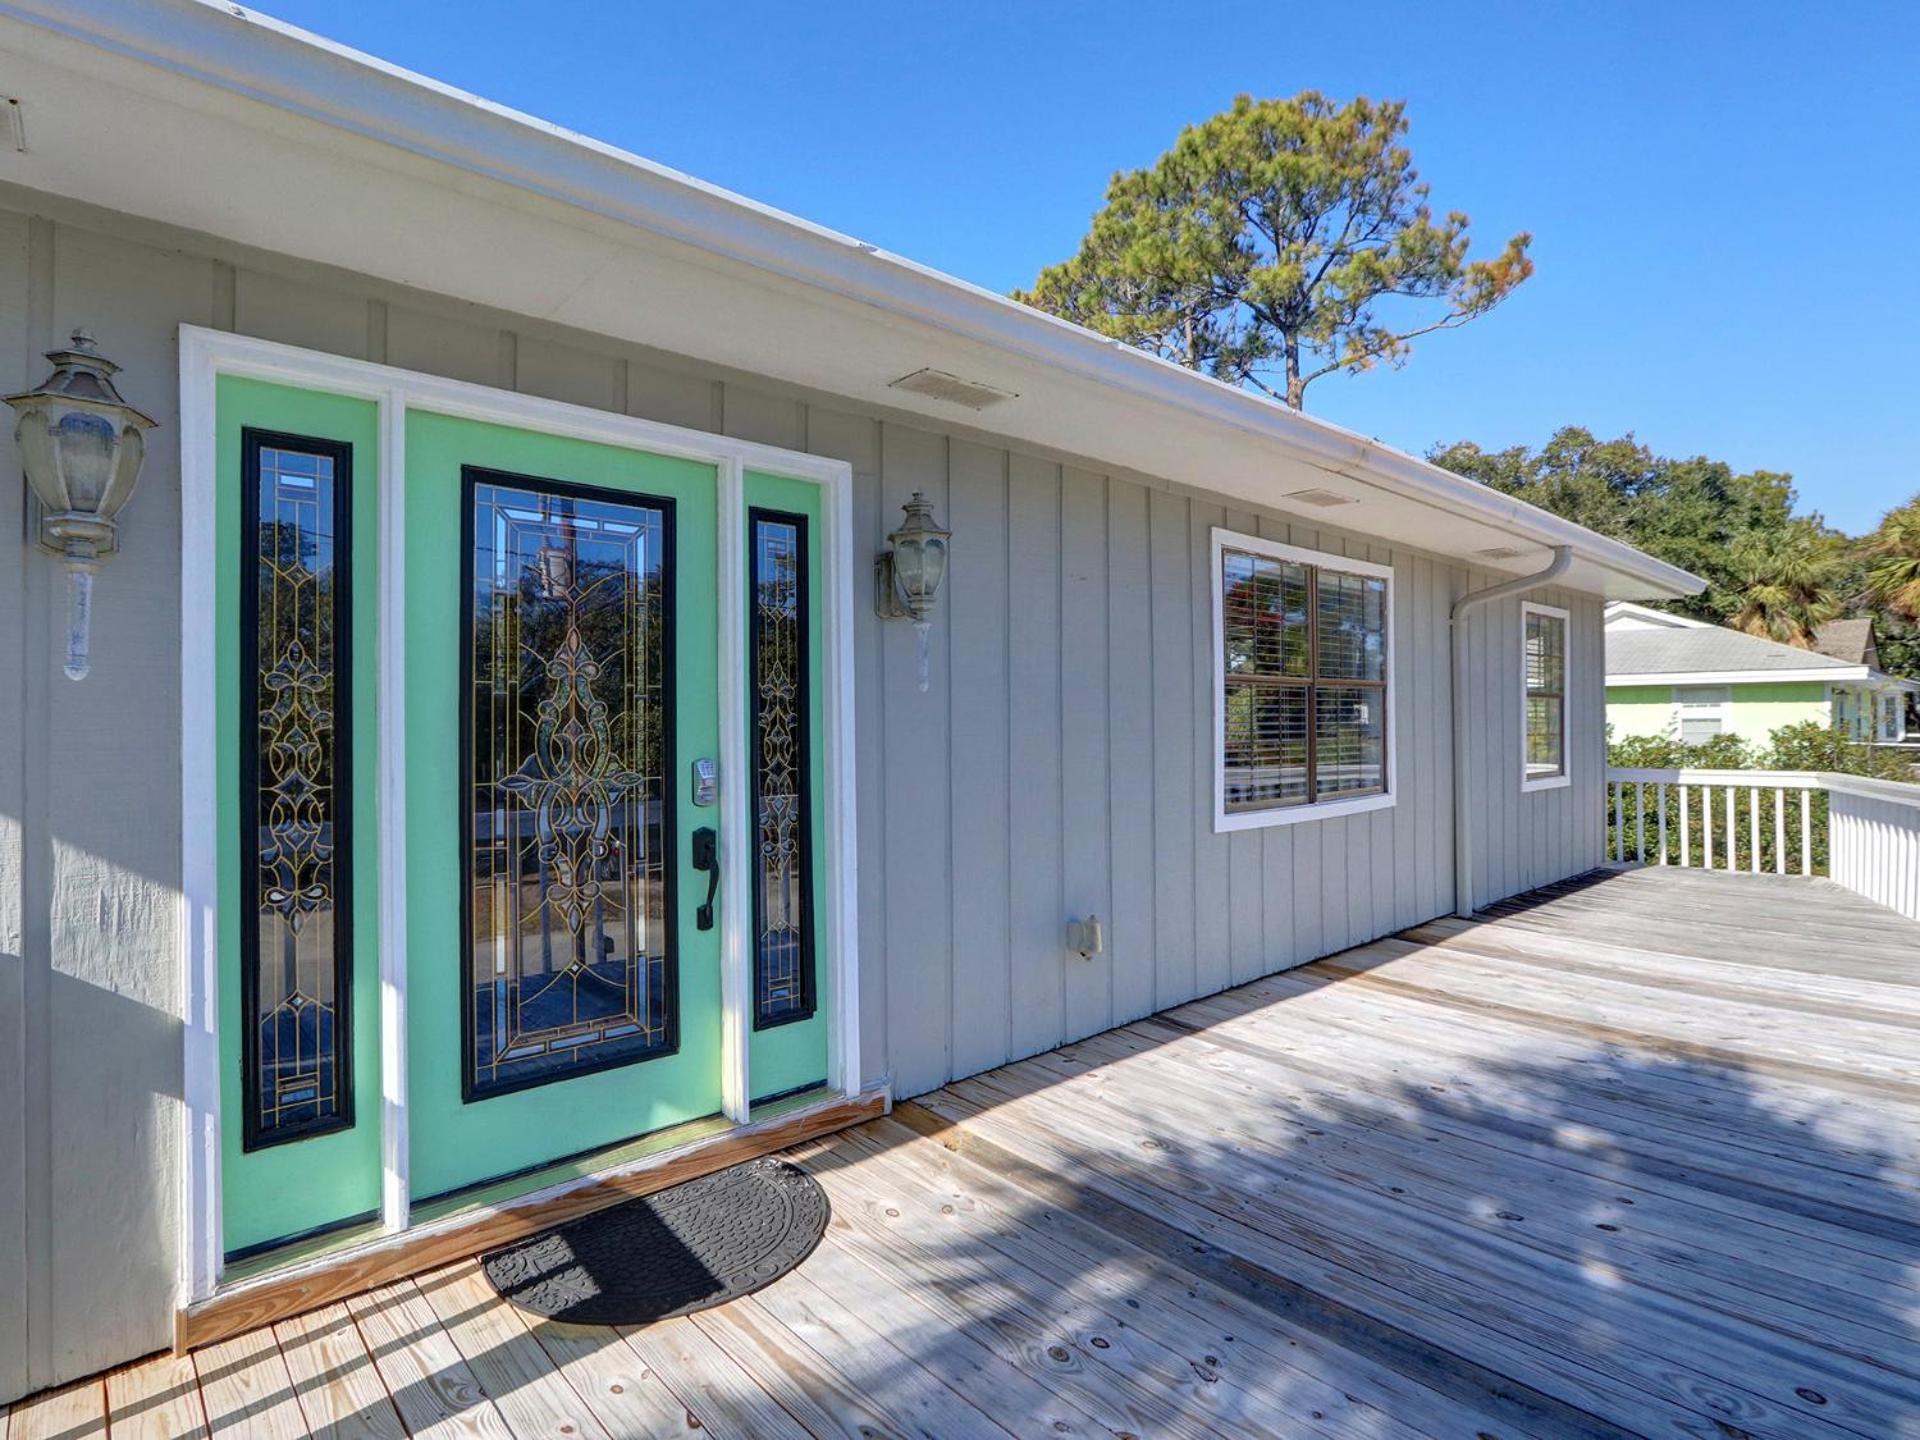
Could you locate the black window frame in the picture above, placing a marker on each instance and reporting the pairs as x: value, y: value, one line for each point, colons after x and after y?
x: 253, y: 440
x: 756, y: 516
x: 471, y: 478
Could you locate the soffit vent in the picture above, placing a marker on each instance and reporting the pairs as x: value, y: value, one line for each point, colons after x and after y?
x: 1500, y: 552
x: 1321, y: 499
x: 939, y: 385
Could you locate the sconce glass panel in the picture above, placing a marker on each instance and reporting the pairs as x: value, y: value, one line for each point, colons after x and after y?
x: 783, y: 969
x: 297, y: 943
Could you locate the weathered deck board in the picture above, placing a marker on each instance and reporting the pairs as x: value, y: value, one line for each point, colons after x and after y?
x: 156, y: 1399
x: 340, y: 1390
x: 431, y: 1386
x: 1637, y: 1154
x: 72, y: 1412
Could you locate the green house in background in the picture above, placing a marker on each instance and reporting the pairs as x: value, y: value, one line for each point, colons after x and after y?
x: 1684, y: 679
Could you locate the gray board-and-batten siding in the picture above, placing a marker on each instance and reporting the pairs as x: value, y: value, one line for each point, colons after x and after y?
x: 1059, y: 764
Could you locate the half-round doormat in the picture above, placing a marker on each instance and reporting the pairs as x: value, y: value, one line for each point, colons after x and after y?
x: 687, y: 1248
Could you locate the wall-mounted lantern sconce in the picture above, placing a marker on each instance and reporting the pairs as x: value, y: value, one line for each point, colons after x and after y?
x: 907, y: 574
x: 82, y: 446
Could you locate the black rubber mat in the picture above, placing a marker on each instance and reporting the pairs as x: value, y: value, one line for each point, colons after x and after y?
x: 687, y: 1248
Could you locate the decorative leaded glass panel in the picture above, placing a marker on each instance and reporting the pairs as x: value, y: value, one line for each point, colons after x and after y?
x: 569, y: 960
x: 783, y: 981
x: 296, y: 951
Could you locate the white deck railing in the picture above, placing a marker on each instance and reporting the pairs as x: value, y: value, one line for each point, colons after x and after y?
x: 1864, y: 834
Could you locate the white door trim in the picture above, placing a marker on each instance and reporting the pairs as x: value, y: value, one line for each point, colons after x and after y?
x: 200, y: 1250
x: 396, y: 1190
x: 206, y: 354
x: 736, y: 970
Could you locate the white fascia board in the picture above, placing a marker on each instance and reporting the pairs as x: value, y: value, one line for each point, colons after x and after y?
x: 1838, y: 675
x: 239, y: 52
x: 1655, y: 617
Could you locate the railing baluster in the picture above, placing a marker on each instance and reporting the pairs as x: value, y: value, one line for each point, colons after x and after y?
x: 1862, y: 833
x: 1733, y: 825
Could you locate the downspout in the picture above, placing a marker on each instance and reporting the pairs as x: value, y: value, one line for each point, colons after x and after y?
x: 1463, y: 607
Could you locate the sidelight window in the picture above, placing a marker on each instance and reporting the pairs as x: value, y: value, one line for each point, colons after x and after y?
x: 1303, y: 687
x: 297, y: 938
x: 783, y: 970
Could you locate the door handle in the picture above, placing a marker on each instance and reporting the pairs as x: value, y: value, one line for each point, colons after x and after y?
x: 706, y: 856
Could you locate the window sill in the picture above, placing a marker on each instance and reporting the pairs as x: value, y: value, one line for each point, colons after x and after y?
x: 1227, y: 821
x: 1552, y: 782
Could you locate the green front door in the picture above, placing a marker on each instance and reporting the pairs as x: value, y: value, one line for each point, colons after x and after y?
x: 561, y: 639
x: 557, y: 604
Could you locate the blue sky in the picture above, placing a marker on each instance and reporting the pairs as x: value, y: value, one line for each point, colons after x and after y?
x: 1722, y: 195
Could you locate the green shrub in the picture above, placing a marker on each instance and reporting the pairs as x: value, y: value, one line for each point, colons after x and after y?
x: 1656, y: 752
x: 1813, y: 746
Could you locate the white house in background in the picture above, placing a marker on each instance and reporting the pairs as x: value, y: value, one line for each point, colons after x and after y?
x: 501, y: 475
x: 1685, y: 679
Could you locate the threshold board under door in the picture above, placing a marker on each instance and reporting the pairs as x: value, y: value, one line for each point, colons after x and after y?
x: 304, y: 1286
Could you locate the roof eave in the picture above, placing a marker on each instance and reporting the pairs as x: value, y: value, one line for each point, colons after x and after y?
x: 1839, y: 674
x: 266, y: 60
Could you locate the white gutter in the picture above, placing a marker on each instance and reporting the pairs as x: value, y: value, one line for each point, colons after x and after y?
x: 1457, y: 624
x: 238, y: 52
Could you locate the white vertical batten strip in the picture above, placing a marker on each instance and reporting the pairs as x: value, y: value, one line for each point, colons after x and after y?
x: 199, y: 824
x: 736, y: 988
x: 395, y: 1147
x: 837, y: 585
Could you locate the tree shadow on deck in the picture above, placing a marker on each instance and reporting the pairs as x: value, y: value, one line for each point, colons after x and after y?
x: 1301, y: 1209
x: 1530, y: 1235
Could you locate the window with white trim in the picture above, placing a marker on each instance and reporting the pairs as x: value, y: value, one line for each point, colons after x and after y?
x: 1892, y: 716
x: 1302, y: 686
x: 1543, y: 631
x: 1700, y: 712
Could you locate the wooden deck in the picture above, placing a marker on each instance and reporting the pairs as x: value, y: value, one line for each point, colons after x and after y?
x: 1634, y: 1156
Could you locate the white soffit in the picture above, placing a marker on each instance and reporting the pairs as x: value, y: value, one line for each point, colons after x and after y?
x: 206, y: 117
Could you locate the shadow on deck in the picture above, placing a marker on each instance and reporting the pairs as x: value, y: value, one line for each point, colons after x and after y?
x: 1632, y: 1155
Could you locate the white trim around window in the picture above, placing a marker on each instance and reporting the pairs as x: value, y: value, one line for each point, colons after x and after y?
x: 1564, y: 776
x: 1703, y: 702
x: 1225, y: 820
